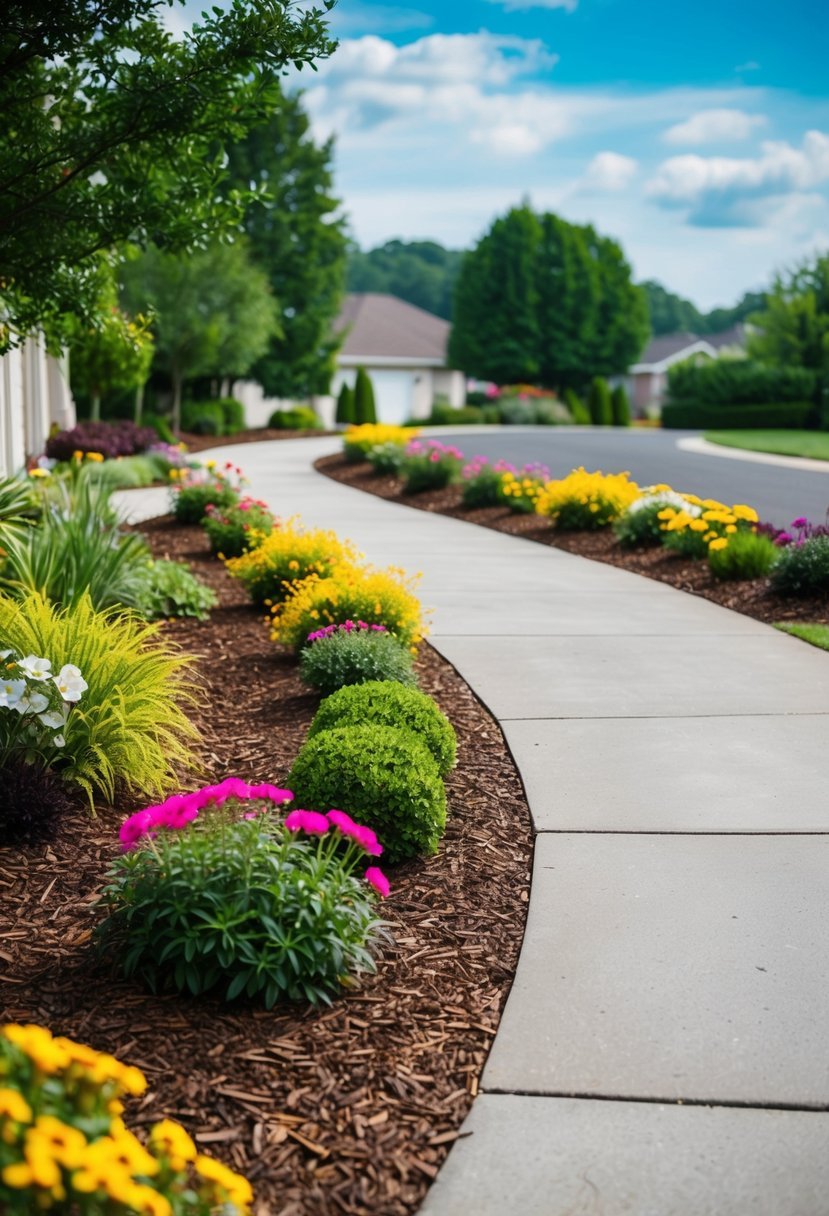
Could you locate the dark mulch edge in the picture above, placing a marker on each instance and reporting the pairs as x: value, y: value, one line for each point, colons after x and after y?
x: 346, y: 1110
x: 752, y: 597
x: 200, y: 443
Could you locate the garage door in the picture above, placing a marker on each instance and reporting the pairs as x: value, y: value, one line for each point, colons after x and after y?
x: 393, y: 395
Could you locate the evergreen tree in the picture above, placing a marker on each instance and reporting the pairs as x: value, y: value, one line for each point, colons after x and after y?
x: 345, y: 405
x: 793, y: 330
x: 620, y: 406
x: 577, y: 408
x: 365, y: 409
x: 600, y: 404
x: 421, y: 272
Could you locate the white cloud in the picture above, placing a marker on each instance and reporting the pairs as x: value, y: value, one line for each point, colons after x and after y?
x: 714, y: 126
x: 610, y: 172
x: 720, y: 191
x: 515, y: 6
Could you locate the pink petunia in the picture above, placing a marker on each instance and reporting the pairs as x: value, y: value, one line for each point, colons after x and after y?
x: 359, y: 833
x: 310, y: 822
x: 272, y: 793
x: 377, y: 879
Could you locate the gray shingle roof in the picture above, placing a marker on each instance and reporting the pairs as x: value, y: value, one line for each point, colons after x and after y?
x: 667, y: 345
x: 383, y: 327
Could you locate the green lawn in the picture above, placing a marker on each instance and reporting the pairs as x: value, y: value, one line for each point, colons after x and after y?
x: 783, y: 443
x: 815, y: 635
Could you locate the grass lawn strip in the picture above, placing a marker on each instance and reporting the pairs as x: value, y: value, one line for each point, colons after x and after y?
x: 815, y: 635
x: 813, y: 445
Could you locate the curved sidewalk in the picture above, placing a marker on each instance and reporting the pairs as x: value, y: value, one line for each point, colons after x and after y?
x: 663, y: 1051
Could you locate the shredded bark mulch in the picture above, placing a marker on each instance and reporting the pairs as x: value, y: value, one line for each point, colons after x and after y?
x: 344, y: 1110
x: 200, y: 443
x: 753, y: 597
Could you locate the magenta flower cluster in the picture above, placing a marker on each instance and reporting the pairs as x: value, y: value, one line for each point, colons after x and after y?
x: 477, y: 465
x: 345, y: 627
x: 313, y: 823
x: 799, y: 531
x: 180, y: 809
x: 433, y: 450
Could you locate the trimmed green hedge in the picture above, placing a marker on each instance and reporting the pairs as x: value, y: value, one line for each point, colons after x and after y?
x: 730, y: 382
x: 704, y: 416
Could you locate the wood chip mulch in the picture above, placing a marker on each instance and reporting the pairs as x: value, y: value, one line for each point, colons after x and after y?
x: 344, y: 1110
x: 752, y: 597
x: 201, y: 443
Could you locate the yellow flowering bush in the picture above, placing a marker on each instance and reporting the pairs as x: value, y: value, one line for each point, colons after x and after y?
x: 693, y: 528
x: 350, y: 593
x: 585, y: 501
x: 65, y: 1148
x: 285, y: 557
x: 520, y: 490
x: 359, y: 440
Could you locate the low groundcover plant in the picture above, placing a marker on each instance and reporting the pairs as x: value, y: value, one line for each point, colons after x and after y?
x: 378, y: 597
x: 65, y: 1148
x: 215, y: 891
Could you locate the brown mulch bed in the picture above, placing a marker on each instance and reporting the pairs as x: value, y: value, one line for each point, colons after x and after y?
x: 200, y: 443
x: 345, y: 1110
x: 752, y: 597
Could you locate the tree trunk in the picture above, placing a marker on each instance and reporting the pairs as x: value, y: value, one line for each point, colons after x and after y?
x: 95, y: 407
x: 177, y: 382
x: 139, y: 403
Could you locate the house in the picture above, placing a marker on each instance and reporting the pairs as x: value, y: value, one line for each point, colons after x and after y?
x: 647, y: 380
x: 34, y: 395
x: 403, y: 349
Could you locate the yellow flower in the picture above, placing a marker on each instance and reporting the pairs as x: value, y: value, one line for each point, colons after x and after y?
x: 237, y: 1187
x: 37, y: 1043
x: 149, y: 1203
x: 66, y: 1144
x: 719, y: 543
x: 38, y: 472
x: 747, y: 513
x: 698, y: 525
x: 14, y: 1106
x: 96, y: 456
x: 172, y: 1140
x: 210, y: 464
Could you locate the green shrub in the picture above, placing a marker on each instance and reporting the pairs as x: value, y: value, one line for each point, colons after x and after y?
x: 387, y: 703
x: 242, y: 905
x: 481, y: 483
x: 191, y: 499
x: 640, y: 523
x: 345, y: 414
x: 444, y: 414
x: 354, y: 657
x: 160, y: 425
x: 429, y: 464
x: 300, y: 418
x: 233, y: 415
x: 731, y: 382
x: 620, y: 406
x: 286, y: 556
x: 384, y: 776
x: 705, y: 416
x: 745, y: 555
x: 600, y: 402
x: 578, y: 410
x: 236, y: 529
x: 386, y: 458
x: 803, y: 569
x: 20, y: 505
x: 477, y: 399
x: 365, y: 409
x: 133, y: 732
x: 167, y: 589
x: 203, y: 418
x: 129, y: 472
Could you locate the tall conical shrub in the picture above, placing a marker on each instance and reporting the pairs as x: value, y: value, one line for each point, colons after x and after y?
x: 345, y: 405
x: 364, y: 407
x: 600, y: 404
x: 578, y: 410
x: 621, y: 406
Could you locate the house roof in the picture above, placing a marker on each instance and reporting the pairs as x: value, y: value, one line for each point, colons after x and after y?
x: 734, y: 336
x: 382, y: 327
x: 661, y: 352
x: 667, y: 346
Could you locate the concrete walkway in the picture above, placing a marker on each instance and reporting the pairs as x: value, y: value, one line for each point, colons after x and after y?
x: 664, y: 1049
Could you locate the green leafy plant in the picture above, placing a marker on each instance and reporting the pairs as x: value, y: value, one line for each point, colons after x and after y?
x: 386, y: 458
x: 19, y: 506
x: 196, y: 491
x: 387, y: 703
x: 244, y: 905
x: 803, y: 569
x: 236, y: 529
x: 354, y: 657
x: 129, y: 472
x: 167, y: 589
x: 385, y: 776
x: 641, y: 524
x: 300, y: 418
x: 578, y: 410
x: 202, y: 418
x: 429, y: 464
x: 132, y: 731
x: 743, y: 555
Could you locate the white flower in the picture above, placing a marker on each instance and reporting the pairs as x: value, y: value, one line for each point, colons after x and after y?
x: 54, y: 719
x: 4, y: 654
x: 10, y: 693
x: 35, y: 668
x: 70, y: 682
x: 59, y: 741
x: 665, y: 498
x: 32, y: 703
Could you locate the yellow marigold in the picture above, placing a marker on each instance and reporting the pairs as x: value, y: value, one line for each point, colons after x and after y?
x: 57, y: 1139
x: 746, y: 513
x: 719, y: 543
x: 172, y: 1140
x: 698, y: 525
x: 236, y: 1187
x: 359, y: 440
x: 586, y: 500
x: 286, y: 556
x: 378, y: 597
x: 37, y: 1043
x: 14, y: 1106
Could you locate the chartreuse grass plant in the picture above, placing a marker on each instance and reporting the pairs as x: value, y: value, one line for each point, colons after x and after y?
x: 359, y: 440
x: 130, y: 729
x: 286, y: 557
x: 350, y: 592
x: 65, y: 1148
x: 742, y: 555
x: 386, y: 703
x: 384, y: 775
x: 584, y: 501
x: 353, y: 653
x: 216, y: 892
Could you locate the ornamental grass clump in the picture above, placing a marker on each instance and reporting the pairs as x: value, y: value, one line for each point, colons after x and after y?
x: 520, y: 489
x: 383, y: 775
x: 64, y: 1146
x: 803, y: 568
x: 216, y: 892
x: 584, y: 501
x: 742, y: 555
x: 385, y: 703
x: 691, y: 529
x: 355, y: 593
x: 339, y: 656
x: 641, y: 524
x: 236, y: 529
x: 359, y: 440
x: 286, y: 557
x: 430, y: 465
x: 133, y: 730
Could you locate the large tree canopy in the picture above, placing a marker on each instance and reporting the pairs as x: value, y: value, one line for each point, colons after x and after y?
x: 113, y: 130
x: 297, y: 238
x: 793, y: 329
x: 542, y: 300
x: 420, y: 272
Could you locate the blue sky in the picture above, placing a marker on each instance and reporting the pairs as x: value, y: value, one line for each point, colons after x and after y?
x: 697, y: 134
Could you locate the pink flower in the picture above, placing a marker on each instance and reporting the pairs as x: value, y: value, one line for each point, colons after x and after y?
x: 307, y: 821
x: 272, y: 793
x: 377, y: 879
x: 133, y: 828
x: 358, y: 832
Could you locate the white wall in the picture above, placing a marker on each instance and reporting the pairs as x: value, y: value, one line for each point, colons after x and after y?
x: 258, y: 407
x: 34, y: 394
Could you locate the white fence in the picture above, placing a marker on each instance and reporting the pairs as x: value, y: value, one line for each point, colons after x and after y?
x: 34, y: 395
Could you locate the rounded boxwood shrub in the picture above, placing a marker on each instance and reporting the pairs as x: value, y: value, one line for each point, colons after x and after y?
x: 389, y: 704
x: 382, y: 775
x: 803, y: 569
x: 353, y: 658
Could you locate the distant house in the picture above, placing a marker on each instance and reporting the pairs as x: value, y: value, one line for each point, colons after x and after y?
x: 648, y: 379
x: 403, y: 349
